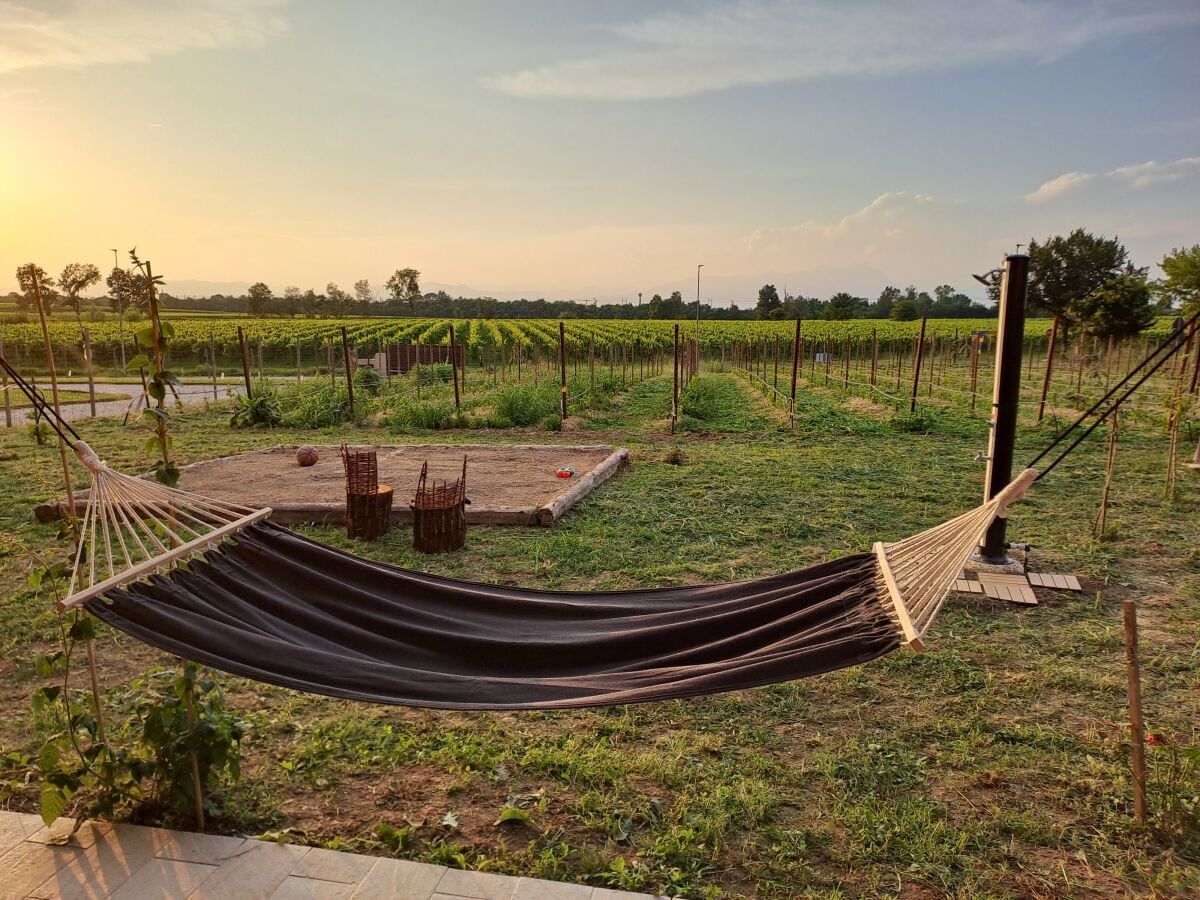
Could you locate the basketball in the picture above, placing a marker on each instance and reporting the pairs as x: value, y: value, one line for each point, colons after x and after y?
x: 307, y: 455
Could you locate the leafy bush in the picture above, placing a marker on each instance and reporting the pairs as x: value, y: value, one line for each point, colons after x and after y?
x: 437, y: 373
x: 552, y: 422
x: 427, y: 414
x: 314, y: 405
x: 522, y: 406
x: 368, y: 381
x: 261, y: 409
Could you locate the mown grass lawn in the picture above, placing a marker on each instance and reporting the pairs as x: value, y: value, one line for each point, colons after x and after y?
x: 993, y: 764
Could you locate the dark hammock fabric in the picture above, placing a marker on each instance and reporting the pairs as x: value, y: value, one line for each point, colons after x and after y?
x: 279, y: 608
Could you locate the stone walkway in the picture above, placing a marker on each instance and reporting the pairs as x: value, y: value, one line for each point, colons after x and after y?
x: 134, y: 862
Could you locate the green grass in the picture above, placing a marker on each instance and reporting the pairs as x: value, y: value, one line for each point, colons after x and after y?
x: 994, y: 764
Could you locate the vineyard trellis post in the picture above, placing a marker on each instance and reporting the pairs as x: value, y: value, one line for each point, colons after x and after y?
x: 349, y: 370
x: 299, y: 368
x: 874, y: 354
x: 4, y: 387
x: 675, y: 381
x: 91, y: 371
x: 912, y: 407
x: 1049, y: 369
x: 795, y: 364
x: 212, y: 360
x: 1110, y: 465
x: 592, y: 367
x: 62, y: 444
x: 454, y: 368
x: 245, y: 362
x: 562, y: 368
x: 776, y: 365
x: 1137, y: 736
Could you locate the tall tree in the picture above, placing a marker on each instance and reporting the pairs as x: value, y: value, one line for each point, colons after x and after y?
x: 74, y: 280
x: 1121, y: 308
x: 673, y: 306
x: 258, y: 297
x: 843, y: 306
x: 905, y: 310
x: 337, y: 301
x: 1063, y: 271
x: 655, y: 307
x: 404, y: 284
x: 882, y: 307
x: 768, y: 302
x: 1181, y: 287
x: 363, y: 292
x: 26, y: 276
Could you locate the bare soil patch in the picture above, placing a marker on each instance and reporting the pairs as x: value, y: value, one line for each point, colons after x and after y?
x: 505, y: 483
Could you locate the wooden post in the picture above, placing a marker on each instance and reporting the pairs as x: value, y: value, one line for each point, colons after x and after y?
x: 212, y: 360
x: 299, y: 370
x: 197, y: 794
x: 562, y: 367
x: 91, y: 371
x: 874, y: 354
x: 62, y: 445
x: 795, y: 366
x: 349, y: 371
x: 1049, y: 369
x: 245, y: 362
x: 912, y: 407
x: 675, y: 382
x: 520, y: 350
x: 454, y: 369
x: 1137, y: 737
x: 4, y: 387
x: 1102, y: 518
x: 592, y: 366
x: 975, y: 345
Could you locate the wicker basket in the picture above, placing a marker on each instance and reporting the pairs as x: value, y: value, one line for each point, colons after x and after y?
x: 439, y: 513
x: 368, y: 503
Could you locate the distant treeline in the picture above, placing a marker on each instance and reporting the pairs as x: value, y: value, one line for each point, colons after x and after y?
x: 892, y: 303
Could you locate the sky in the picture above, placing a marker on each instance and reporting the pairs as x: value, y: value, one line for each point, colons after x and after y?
x: 570, y: 150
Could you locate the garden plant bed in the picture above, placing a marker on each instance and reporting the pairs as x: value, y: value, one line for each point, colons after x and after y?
x: 507, y: 484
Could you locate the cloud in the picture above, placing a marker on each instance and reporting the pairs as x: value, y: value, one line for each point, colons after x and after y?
x: 755, y: 42
x: 884, y: 218
x: 74, y: 35
x: 1135, y: 177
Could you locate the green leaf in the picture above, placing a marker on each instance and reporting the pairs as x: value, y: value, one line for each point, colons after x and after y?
x: 165, y: 328
x: 54, y: 803
x: 168, y: 377
x: 146, y: 335
x: 157, y: 390
x: 152, y: 445
x: 514, y: 814
x: 450, y: 820
x: 83, y: 630
x: 140, y: 361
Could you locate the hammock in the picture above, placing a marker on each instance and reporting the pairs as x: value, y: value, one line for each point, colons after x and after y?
x: 215, y: 582
x: 254, y: 599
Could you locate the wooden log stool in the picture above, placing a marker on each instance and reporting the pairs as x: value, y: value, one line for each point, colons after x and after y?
x: 440, y: 513
x: 368, y: 503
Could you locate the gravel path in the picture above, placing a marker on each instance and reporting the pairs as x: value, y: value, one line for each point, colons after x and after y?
x: 188, y: 394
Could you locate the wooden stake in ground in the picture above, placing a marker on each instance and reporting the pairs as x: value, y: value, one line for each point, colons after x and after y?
x: 35, y: 282
x: 1137, y: 735
x: 454, y: 369
x: 4, y: 387
x: 212, y: 360
x: 795, y: 366
x: 245, y: 363
x: 1049, y: 369
x: 91, y: 371
x: 1102, y: 517
x: 197, y: 792
x: 562, y: 368
x: 675, y: 382
x: 874, y: 354
x: 349, y: 370
x: 912, y: 407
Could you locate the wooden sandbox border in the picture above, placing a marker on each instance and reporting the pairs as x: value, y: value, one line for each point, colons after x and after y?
x: 335, y: 513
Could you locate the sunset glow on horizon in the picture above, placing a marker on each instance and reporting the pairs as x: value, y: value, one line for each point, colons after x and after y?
x: 569, y: 150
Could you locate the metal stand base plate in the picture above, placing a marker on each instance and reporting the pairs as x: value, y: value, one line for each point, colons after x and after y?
x: 1006, y: 566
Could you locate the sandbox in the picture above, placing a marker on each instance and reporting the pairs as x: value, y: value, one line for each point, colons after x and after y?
x: 507, y: 484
